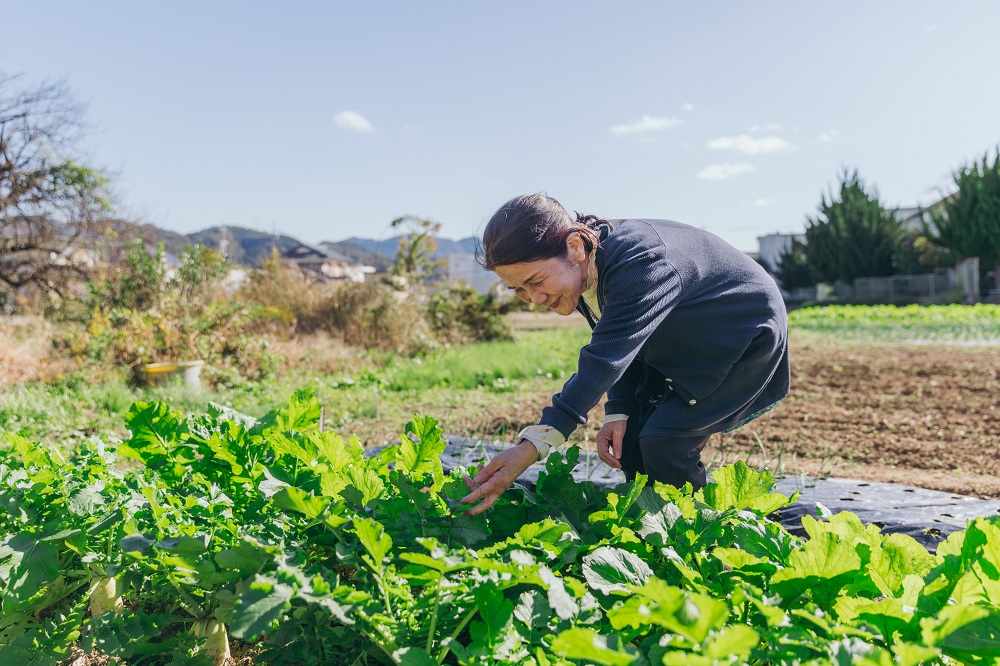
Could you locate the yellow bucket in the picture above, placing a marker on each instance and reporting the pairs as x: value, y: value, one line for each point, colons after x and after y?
x: 154, y: 374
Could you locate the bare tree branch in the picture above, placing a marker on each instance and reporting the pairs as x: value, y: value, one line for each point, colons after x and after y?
x: 51, y: 203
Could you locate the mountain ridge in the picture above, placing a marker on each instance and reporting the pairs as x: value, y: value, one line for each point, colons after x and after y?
x: 251, y: 247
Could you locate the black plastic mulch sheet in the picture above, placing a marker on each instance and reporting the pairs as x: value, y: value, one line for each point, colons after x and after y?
x: 928, y: 516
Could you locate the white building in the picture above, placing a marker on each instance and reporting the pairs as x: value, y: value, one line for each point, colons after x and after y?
x: 771, y: 246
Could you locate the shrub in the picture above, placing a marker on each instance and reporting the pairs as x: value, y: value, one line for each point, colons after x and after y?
x: 371, y: 315
x: 129, y: 338
x: 459, y: 314
x: 138, y: 284
x: 283, y: 293
x: 853, y: 236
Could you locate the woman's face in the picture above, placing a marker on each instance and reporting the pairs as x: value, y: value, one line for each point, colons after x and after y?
x: 557, y: 283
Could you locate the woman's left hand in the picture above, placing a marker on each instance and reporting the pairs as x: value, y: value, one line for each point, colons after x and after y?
x: 609, y: 443
x: 498, y: 475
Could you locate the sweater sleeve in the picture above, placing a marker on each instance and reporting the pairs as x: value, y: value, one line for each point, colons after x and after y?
x: 640, y: 289
x: 621, y: 396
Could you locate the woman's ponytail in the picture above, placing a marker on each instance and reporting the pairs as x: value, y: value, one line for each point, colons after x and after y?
x: 592, y: 221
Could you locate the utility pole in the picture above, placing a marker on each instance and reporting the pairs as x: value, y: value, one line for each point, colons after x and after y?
x: 224, y: 243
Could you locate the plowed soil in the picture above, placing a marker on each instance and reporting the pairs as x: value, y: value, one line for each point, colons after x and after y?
x: 922, y: 415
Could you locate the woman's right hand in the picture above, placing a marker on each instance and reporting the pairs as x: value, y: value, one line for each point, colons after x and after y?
x: 609, y: 443
x: 498, y: 475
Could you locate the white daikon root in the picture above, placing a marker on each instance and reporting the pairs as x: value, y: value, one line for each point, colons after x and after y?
x: 216, y: 639
x: 105, y: 597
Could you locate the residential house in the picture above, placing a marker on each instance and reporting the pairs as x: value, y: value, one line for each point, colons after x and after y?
x: 913, y: 218
x: 324, y: 264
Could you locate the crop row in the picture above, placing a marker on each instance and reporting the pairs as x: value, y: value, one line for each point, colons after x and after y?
x: 200, y: 529
x: 902, y: 323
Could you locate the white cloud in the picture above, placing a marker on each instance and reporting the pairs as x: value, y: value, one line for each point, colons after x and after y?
x: 755, y: 128
x: 828, y: 136
x: 773, y: 127
x: 760, y: 202
x: 352, y: 121
x: 687, y: 106
x: 724, y: 171
x: 745, y: 143
x: 646, y: 124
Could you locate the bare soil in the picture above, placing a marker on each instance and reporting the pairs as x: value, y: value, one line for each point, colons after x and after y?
x: 921, y: 415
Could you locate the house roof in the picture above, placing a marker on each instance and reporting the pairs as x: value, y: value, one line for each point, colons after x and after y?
x: 307, y: 251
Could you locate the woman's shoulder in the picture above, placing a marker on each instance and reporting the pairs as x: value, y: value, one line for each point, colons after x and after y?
x: 649, y: 226
x: 632, y: 245
x: 636, y: 234
x: 677, y: 236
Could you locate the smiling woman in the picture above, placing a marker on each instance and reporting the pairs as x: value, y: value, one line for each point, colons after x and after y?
x: 689, y: 337
x: 541, y: 253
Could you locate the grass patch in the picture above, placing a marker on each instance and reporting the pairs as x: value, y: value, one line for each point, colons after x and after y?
x: 550, y: 353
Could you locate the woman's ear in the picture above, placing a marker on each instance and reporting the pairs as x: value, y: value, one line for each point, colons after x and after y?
x: 575, y: 248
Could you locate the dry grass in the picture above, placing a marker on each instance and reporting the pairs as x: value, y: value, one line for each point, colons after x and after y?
x: 370, y: 314
x: 319, y: 353
x: 26, y: 350
x: 537, y: 321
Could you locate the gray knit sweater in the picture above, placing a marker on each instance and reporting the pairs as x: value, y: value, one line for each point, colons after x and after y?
x: 687, y: 321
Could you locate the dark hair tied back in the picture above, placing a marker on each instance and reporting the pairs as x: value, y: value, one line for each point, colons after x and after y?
x: 591, y: 221
x: 533, y: 227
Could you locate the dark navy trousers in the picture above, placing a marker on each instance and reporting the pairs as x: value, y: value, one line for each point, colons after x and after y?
x: 662, y: 457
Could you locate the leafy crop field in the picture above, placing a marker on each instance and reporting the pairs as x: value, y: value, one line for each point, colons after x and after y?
x: 976, y: 323
x: 275, y: 541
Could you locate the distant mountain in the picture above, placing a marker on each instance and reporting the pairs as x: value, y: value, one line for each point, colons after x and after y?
x: 252, y: 247
x: 243, y: 246
x: 172, y: 241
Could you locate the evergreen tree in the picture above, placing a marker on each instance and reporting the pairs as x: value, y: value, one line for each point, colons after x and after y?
x: 793, y: 267
x: 853, y: 236
x: 969, y: 224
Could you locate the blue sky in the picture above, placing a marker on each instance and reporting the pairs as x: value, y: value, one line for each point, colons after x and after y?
x: 328, y: 120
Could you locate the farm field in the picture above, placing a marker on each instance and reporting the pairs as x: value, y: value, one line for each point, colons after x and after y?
x: 918, y: 405
x: 250, y: 528
x: 923, y: 412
